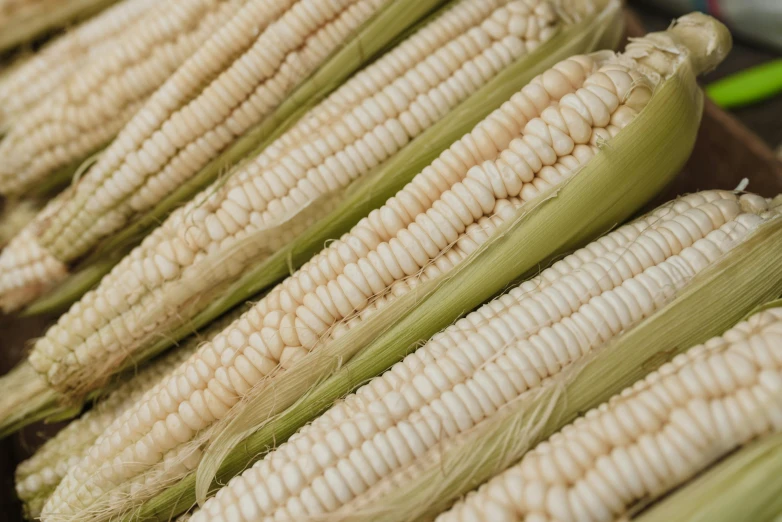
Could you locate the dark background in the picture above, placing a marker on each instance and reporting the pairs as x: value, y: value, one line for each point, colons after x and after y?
x: 714, y: 149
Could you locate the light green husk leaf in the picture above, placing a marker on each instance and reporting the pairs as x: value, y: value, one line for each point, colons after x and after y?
x: 744, y: 486
x: 613, y: 185
x: 375, y: 36
x: 61, y: 14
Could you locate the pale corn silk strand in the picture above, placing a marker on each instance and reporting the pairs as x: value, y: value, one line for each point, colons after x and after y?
x: 414, y: 86
x: 38, y: 74
x: 649, y: 439
x: 468, y: 372
x: 90, y: 108
x: 186, y: 124
x: 535, y: 140
x: 37, y: 476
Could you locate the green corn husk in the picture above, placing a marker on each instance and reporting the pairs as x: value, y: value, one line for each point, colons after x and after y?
x: 612, y: 186
x: 743, y: 487
x: 54, y: 17
x: 375, y: 36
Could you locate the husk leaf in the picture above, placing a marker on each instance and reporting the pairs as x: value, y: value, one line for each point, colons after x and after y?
x: 743, y: 487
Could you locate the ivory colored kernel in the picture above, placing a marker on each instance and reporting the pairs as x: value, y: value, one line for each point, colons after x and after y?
x: 36, y: 76
x: 719, y: 406
x: 37, y: 477
x: 504, y: 350
x: 464, y: 201
x: 86, y: 110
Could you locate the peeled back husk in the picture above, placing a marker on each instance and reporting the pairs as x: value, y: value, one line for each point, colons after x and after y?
x: 744, y: 486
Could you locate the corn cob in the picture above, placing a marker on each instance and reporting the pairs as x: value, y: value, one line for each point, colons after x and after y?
x: 357, y: 451
x: 15, y: 216
x: 264, y: 194
x: 24, y: 20
x: 87, y: 111
x: 179, y: 132
x: 36, y: 75
x: 37, y: 477
x: 25, y: 412
x: 744, y: 486
x: 600, y: 27
x: 347, y: 291
x: 644, y: 442
x: 513, y: 118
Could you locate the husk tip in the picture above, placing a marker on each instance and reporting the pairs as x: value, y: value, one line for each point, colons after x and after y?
x: 708, y: 40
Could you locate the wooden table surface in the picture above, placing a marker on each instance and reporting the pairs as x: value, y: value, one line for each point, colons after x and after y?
x: 708, y: 169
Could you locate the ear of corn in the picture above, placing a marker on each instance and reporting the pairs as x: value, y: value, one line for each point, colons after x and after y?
x: 407, y: 80
x: 34, y: 76
x: 167, y: 304
x: 598, y: 29
x: 37, y: 477
x: 24, y: 20
x: 44, y: 148
x: 15, y: 216
x: 374, y: 289
x: 185, y: 125
x: 435, y: 300
x: 648, y: 439
x: 745, y: 486
x: 406, y: 444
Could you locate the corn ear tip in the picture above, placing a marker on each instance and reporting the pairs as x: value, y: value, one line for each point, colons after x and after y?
x: 708, y: 40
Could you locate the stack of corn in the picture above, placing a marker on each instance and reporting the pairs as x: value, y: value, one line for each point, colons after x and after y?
x: 482, y: 145
x: 210, y: 242
x: 230, y: 84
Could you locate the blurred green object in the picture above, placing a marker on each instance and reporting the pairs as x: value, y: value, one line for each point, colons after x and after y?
x: 748, y: 86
